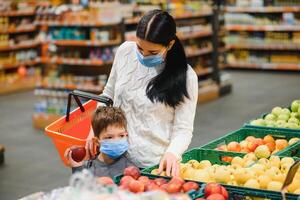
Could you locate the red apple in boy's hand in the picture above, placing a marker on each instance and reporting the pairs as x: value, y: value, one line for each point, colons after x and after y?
x: 190, y: 186
x: 78, y: 154
x: 132, y: 171
x: 136, y: 186
x: 105, y: 180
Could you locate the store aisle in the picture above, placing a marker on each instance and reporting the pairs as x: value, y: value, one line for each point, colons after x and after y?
x: 32, y: 163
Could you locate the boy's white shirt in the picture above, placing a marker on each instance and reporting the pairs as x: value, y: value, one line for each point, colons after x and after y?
x: 153, y: 128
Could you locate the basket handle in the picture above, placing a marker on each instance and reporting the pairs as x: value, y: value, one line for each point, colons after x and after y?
x: 77, y: 93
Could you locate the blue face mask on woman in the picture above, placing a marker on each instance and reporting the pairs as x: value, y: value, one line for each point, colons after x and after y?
x: 150, y: 61
x: 114, y: 148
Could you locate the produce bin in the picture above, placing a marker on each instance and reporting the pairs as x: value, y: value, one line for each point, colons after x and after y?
x: 242, y: 133
x: 235, y: 192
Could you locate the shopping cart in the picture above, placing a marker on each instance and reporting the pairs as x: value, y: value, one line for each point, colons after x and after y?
x: 73, y: 128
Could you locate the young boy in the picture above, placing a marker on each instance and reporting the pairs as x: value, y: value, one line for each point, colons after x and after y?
x: 109, y: 126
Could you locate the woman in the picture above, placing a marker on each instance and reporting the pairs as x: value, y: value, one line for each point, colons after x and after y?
x: 152, y: 82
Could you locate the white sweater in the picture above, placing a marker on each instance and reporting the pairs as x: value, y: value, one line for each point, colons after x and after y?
x: 153, y: 128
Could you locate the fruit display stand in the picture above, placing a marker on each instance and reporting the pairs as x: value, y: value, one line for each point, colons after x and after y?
x: 240, y: 136
x: 215, y: 158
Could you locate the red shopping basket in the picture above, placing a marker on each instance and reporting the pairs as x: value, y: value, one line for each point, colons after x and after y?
x: 74, y: 127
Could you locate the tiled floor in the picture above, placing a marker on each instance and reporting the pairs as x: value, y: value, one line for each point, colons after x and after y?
x: 33, y: 165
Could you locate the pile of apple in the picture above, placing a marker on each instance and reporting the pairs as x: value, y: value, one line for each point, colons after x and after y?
x: 247, y: 171
x: 281, y: 117
x: 262, y: 147
x: 133, y: 181
x: 214, y: 191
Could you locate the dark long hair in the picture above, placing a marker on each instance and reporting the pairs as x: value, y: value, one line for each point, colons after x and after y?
x: 169, y: 86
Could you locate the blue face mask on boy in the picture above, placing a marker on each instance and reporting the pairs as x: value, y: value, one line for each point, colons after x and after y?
x: 114, y: 148
x: 150, y: 61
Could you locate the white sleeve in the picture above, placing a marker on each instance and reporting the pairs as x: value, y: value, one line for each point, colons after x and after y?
x: 183, y: 126
x: 109, y: 88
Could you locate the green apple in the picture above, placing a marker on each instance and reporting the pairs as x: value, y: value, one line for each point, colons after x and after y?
x: 270, y: 117
x: 284, y: 117
x: 286, y: 111
x: 280, y: 123
x: 295, y: 105
x: 291, y: 125
x: 293, y: 120
x: 277, y: 111
x: 258, y: 122
x: 295, y: 115
x: 270, y: 123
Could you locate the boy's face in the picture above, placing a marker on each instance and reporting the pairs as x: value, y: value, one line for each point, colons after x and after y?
x: 113, y: 133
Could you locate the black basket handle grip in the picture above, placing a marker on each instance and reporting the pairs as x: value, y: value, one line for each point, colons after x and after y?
x: 77, y: 93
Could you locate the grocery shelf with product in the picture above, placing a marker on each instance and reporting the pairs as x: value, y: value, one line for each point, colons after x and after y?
x: 263, y: 34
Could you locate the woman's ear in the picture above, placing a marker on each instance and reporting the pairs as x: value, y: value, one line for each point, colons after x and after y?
x: 170, y: 45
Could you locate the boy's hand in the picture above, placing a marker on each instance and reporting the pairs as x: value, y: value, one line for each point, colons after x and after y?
x: 92, y: 146
x: 71, y: 162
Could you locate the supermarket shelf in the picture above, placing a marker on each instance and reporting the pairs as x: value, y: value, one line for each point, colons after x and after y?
x: 28, y: 45
x: 18, y: 30
x: 200, y: 52
x: 270, y: 66
x: 16, y: 65
x: 41, y: 120
x: 17, y: 13
x: 68, y: 23
x: 76, y: 61
x: 135, y: 20
x: 84, y: 43
x: 203, y: 71
x: 270, y: 9
x: 195, y: 15
x: 262, y: 28
x: 22, y: 85
x: 194, y: 35
x: 262, y: 46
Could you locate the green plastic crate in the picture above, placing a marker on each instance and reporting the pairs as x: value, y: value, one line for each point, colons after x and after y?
x: 242, y: 133
x: 193, y: 194
x: 215, y: 157
x: 248, y: 125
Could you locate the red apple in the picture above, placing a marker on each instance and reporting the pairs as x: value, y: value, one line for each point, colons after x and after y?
x: 234, y: 146
x: 227, y: 159
x: 160, y: 181
x: 190, y: 186
x: 105, y: 180
x: 250, y: 139
x: 259, y: 141
x: 136, y: 186
x: 125, y: 180
x: 78, y: 153
x: 224, y: 193
x: 177, y: 180
x: 164, y: 187
x: 271, y: 146
x: 252, y: 146
x: 143, y: 179
x: 269, y: 139
x: 173, y: 187
x: 215, y: 197
x: 212, y: 188
x: 132, y: 171
x: 150, y: 186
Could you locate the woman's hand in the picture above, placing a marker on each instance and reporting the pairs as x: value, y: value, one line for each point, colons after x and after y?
x: 169, y: 162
